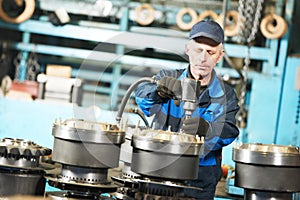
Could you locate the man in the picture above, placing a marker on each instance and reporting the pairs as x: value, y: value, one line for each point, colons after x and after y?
x: 214, y: 117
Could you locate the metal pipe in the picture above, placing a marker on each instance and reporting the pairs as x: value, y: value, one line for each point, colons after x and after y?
x: 127, y: 95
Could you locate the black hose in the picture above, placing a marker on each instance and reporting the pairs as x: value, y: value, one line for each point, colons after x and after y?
x: 127, y: 95
x: 140, y: 114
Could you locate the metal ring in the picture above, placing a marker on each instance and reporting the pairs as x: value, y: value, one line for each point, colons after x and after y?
x: 231, y: 29
x: 208, y: 14
x: 273, y: 26
x: 184, y: 25
x: 140, y: 17
x: 25, y: 15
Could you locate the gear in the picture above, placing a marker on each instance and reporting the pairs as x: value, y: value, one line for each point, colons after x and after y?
x: 21, y: 148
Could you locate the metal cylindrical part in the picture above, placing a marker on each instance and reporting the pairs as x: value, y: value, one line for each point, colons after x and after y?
x: 176, y: 155
x: 13, y: 183
x: 84, y: 175
x: 269, y: 178
x: 20, y: 170
x: 87, y: 144
x: 263, y: 195
x: 263, y: 170
x: 168, y: 166
x: 263, y: 154
x: 85, y: 154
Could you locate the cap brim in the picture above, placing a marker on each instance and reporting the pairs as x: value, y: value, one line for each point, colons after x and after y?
x: 207, y: 35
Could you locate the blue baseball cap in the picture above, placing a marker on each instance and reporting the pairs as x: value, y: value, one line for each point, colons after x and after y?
x: 209, y: 29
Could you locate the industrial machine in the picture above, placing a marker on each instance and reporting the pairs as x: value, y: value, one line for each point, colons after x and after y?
x: 160, y: 162
x: 85, y: 150
x: 267, y: 171
x: 21, y: 171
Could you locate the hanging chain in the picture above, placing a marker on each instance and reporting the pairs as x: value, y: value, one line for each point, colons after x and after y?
x: 248, y: 27
x: 17, y: 63
x: 33, y: 67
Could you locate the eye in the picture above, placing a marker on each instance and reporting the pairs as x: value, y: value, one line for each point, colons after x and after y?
x: 199, y: 50
x: 211, y: 52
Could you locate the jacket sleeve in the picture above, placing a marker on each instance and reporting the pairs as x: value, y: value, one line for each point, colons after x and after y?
x: 146, y: 95
x: 223, y: 129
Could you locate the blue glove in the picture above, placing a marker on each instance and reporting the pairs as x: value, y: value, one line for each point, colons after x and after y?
x: 195, y: 126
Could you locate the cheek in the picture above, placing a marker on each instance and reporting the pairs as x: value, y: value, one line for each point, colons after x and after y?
x: 193, y: 57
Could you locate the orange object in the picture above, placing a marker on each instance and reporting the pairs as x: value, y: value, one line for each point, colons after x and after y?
x: 30, y: 87
x: 144, y: 14
x: 25, y: 15
x: 186, y: 25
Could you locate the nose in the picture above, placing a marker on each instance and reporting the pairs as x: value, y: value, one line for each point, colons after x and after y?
x: 203, y: 56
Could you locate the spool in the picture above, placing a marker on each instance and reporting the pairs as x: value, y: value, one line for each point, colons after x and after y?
x: 208, y: 14
x: 25, y: 15
x: 140, y: 14
x: 231, y: 29
x: 186, y: 25
x: 273, y: 26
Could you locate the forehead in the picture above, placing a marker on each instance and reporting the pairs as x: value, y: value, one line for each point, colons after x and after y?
x: 202, y: 45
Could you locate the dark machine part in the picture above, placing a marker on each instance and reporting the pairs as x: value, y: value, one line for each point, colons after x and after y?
x: 176, y: 155
x: 190, y: 94
x: 85, y: 150
x: 267, y: 171
x: 126, y: 152
x: 74, y: 196
x: 80, y: 188
x: 21, y: 182
x: 163, y: 188
x: 20, y: 169
x: 153, y: 188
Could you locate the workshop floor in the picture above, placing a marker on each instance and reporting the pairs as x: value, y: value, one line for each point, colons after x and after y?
x: 222, y: 194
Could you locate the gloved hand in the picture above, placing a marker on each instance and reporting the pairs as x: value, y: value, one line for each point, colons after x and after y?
x: 169, y: 87
x: 195, y: 126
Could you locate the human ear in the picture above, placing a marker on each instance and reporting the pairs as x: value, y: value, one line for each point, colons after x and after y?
x: 221, y: 55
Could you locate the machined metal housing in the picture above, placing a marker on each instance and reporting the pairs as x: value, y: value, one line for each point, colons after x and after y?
x: 20, y: 169
x: 87, y: 144
x: 166, y: 154
x: 264, y: 169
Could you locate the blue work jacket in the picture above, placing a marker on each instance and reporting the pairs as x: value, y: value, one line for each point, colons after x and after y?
x: 218, y: 105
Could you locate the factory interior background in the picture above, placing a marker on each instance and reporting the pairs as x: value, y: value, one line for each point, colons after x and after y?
x: 67, y: 63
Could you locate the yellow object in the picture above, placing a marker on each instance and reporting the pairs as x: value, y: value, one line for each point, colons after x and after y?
x: 144, y: 14
x: 232, y: 28
x: 208, y: 14
x: 25, y: 15
x: 59, y: 70
x: 184, y: 25
x: 273, y: 26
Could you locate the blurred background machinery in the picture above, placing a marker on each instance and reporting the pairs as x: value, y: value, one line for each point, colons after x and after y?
x: 107, y: 45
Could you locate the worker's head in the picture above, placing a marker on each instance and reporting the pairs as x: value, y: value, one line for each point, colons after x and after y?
x: 205, y: 48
